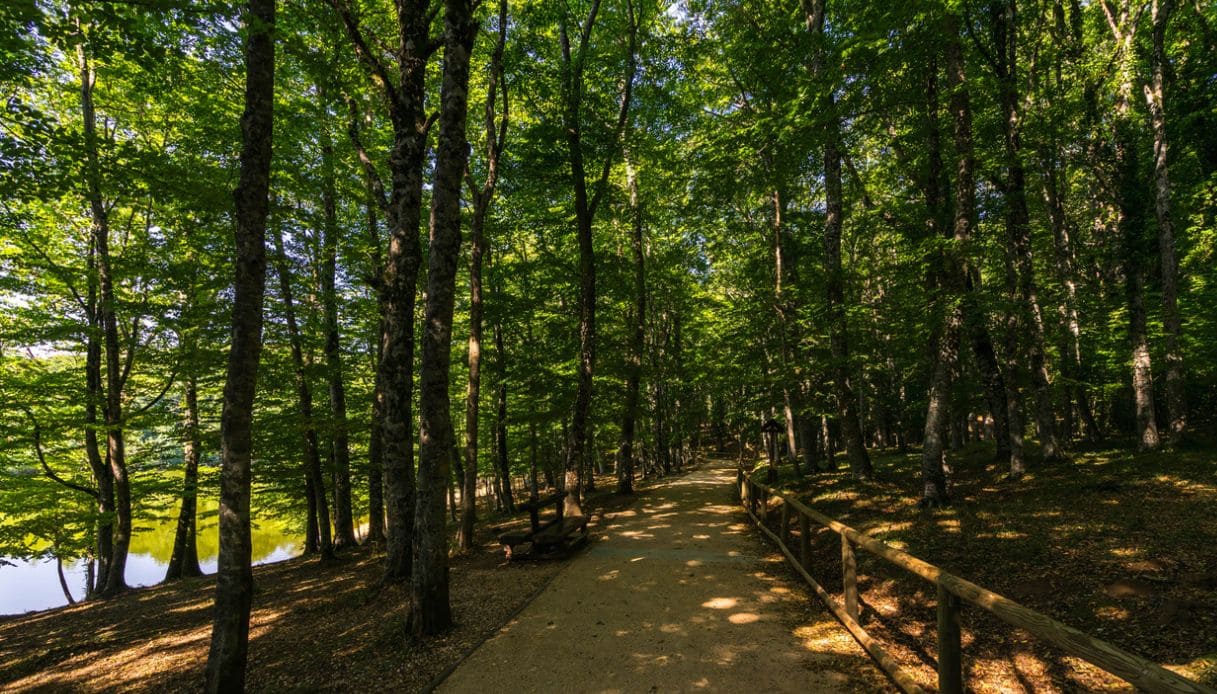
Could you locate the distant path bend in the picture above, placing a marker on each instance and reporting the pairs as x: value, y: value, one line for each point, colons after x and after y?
x: 673, y: 595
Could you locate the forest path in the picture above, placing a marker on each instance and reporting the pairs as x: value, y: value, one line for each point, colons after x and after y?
x: 674, y: 594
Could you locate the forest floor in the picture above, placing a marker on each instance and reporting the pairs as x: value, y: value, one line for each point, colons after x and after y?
x: 1122, y: 546
x: 314, y: 626
x: 676, y: 594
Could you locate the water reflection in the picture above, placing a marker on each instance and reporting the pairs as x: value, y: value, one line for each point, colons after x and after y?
x: 33, y: 585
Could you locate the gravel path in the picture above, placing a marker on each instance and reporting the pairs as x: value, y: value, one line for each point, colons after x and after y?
x: 674, y: 594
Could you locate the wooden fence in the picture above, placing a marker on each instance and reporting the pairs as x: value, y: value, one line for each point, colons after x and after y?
x: 952, y: 591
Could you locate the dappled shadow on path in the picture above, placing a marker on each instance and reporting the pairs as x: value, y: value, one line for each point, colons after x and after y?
x: 675, y: 594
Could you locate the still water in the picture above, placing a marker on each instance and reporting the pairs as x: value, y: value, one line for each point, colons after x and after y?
x: 34, y: 585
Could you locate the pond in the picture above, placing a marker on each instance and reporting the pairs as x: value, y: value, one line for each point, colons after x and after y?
x: 33, y: 585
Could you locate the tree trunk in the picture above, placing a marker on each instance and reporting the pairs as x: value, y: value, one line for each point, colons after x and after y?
x: 1176, y: 400
x: 633, y: 379
x: 101, y: 471
x: 586, y: 204
x: 1028, y: 321
x: 184, y: 562
x: 304, y: 392
x: 100, y: 233
x: 234, y: 583
x: 376, y: 441
x: 430, y: 612
x: 1130, y: 219
x: 847, y: 404
x: 500, y: 419
x: 474, y: 385
x: 344, y: 523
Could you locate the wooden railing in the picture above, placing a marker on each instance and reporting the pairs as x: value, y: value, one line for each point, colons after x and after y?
x: 952, y: 591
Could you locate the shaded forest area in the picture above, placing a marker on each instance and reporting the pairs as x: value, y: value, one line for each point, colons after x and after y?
x: 380, y: 268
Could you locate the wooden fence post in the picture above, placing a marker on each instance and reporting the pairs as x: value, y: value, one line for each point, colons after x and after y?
x: 950, y: 663
x: 784, y: 528
x: 805, y: 541
x: 849, y: 574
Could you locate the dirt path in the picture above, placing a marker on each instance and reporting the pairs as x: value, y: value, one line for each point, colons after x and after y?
x: 675, y: 594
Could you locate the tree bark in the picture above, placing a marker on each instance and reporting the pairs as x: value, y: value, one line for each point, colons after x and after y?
x: 344, y: 523
x: 633, y: 379
x: 430, y: 612
x: 101, y: 471
x: 1176, y: 399
x: 1130, y: 219
x: 1021, y: 285
x: 234, y: 583
x: 304, y: 393
x: 587, y: 200
x: 500, y: 419
x: 482, y: 197
x: 405, y: 98
x: 100, y: 233
x: 184, y: 562
x: 847, y: 403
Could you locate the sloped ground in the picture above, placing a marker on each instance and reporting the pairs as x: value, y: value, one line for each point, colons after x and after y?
x: 676, y: 594
x: 1122, y: 546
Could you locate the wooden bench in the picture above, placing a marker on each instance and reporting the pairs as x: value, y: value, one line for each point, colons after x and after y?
x: 551, y: 537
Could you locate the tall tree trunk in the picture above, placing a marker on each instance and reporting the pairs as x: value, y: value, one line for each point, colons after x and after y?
x: 953, y: 278
x: 406, y: 103
x: 234, y: 583
x: 1130, y: 219
x: 633, y: 379
x: 100, y: 232
x: 474, y: 385
x: 587, y: 201
x: 1021, y: 285
x: 495, y: 134
x: 101, y: 471
x: 184, y: 562
x: 344, y: 523
x: 304, y: 392
x: 500, y: 418
x: 1176, y: 400
x: 430, y: 611
x: 376, y: 441
x: 847, y: 403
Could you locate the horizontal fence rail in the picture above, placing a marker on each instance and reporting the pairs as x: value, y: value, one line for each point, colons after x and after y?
x: 952, y: 591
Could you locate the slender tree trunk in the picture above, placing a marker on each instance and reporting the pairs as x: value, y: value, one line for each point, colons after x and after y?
x: 101, y: 471
x: 312, y: 450
x: 847, y: 403
x: 474, y: 385
x: 495, y: 134
x: 344, y: 524
x: 1176, y: 400
x: 430, y: 612
x: 234, y: 583
x: 100, y: 232
x: 1028, y: 321
x: 376, y: 441
x: 586, y: 204
x: 633, y: 379
x: 1130, y: 219
x: 184, y: 562
x: 500, y: 419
